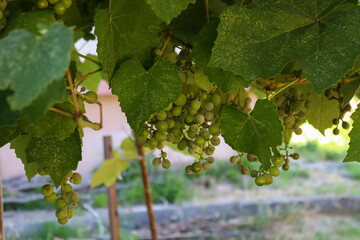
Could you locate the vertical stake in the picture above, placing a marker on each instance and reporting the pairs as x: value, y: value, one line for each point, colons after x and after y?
x: 2, y: 228
x: 112, y: 196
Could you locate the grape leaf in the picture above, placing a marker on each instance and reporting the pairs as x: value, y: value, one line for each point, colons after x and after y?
x: 259, y: 42
x: 52, y: 124
x: 109, y: 171
x: 189, y: 23
x: 92, y: 82
x: 29, y: 20
x: 7, y: 117
x: 8, y: 133
x: 203, y: 44
x: 20, y: 144
x: 29, y: 62
x: 254, y: 133
x: 123, y: 32
x: 167, y: 10
x: 353, y: 153
x: 57, y: 157
x: 142, y: 93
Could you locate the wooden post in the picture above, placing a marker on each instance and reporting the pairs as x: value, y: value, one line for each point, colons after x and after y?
x: 112, y: 196
x: 147, y: 191
x: 2, y: 228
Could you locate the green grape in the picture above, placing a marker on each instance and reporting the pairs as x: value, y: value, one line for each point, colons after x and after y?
x: 192, y: 111
x: 214, y: 130
x: 260, y: 180
x: 244, y: 170
x: 188, y: 169
x: 76, y: 178
x: 90, y: 96
x: 59, y: 8
x: 189, y: 118
x: 182, y: 145
x: 3, y: 5
x: 200, y: 141
x: 51, y: 198
x: 199, y: 118
x: 68, y: 188
x: 192, y: 134
x: 279, y: 100
x: 345, y: 125
x: 195, y: 104
x: 69, y: 174
x: 61, y: 213
x: 70, y: 213
x: 287, y: 119
x: 209, y: 106
x: 179, y: 124
x: 274, y: 171
x: 141, y: 139
x: 161, y: 116
x: 296, y: 107
x: 176, y: 132
x: 215, y: 141
x: 53, y: 1
x: 206, y: 166
x: 234, y: 159
x: 295, y: 156
x: 181, y: 100
x: 286, y: 167
x: 336, y: 131
x: 160, y: 145
x: 281, y: 113
x: 329, y: 93
x: 254, y: 173
x: 298, y: 131
x: 247, y: 101
x: 277, y: 161
x: 161, y: 126
x: 210, y: 159
x: 170, y: 123
x: 301, y: 115
x: 209, y: 116
x: 230, y: 97
x: 144, y: 132
x: 166, y: 163
x: 205, y: 133
x: 176, y: 111
x: 67, y: 3
x: 191, y: 150
x: 335, y: 121
x: 63, y: 221
x: 47, y: 190
x: 170, y: 137
x: 73, y: 197
x: 251, y: 157
x: 163, y: 154
x: 41, y: 4
x: 194, y: 128
x: 216, y: 99
x: 196, y: 167
x: 153, y: 143
x: 156, y: 162
x: 268, y: 179
x: 209, y: 150
x: 59, y: 203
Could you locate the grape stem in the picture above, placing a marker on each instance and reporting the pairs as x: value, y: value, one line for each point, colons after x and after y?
x: 87, y: 58
x: 68, y: 75
x: 98, y: 103
x: 66, y: 114
x: 80, y: 80
x: 286, y: 86
x: 165, y: 44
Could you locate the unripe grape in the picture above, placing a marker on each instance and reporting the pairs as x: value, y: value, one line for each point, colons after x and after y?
x: 247, y: 101
x: 61, y: 213
x: 215, y: 141
x: 73, y: 197
x: 192, y: 134
x: 244, y: 170
x: 76, y: 178
x: 60, y: 8
x: 214, y: 130
x: 251, y: 157
x: 195, y: 104
x: 47, y: 189
x: 69, y: 174
x: 170, y: 123
x: 286, y: 167
x: 194, y: 128
x: 335, y: 121
x: 170, y: 137
x: 294, y: 92
x: 166, y: 163
x: 277, y: 161
x: 176, y: 140
x: 205, y: 133
x: 268, y: 179
x: 91, y: 97
x: 295, y: 156
x: 301, y: 115
x: 298, y: 131
x: 199, y: 118
x: 208, y: 151
x: 160, y: 136
x: 192, y: 111
x: 67, y: 3
x: 161, y: 116
x: 160, y: 145
x: 216, y: 99
x: 336, y: 131
x: 230, y: 97
x: 254, y: 173
x: 279, y: 100
x: 234, y: 159
x: 181, y: 100
x: 189, y: 118
x: 210, y: 159
x: 345, y: 125
x: 41, y: 4
x: 70, y: 213
x: 209, y: 106
x: 274, y: 171
x: 182, y: 145
x: 191, y: 150
x: 176, y: 111
x: 161, y: 126
x: 260, y: 180
x: 63, y: 221
x: 200, y: 141
x: 281, y: 113
x: 196, y: 167
x: 206, y: 166
x: 68, y: 188
x: 329, y: 93
x: 59, y: 203
x: 141, y: 140
x: 296, y: 107
x: 287, y: 119
x: 188, y: 169
x: 51, y: 198
x: 176, y: 132
x: 156, y: 162
x: 153, y: 143
x: 163, y: 154
x: 53, y: 1
x: 209, y: 116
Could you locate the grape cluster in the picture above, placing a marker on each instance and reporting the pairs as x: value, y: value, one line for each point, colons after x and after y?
x: 335, y: 93
x: 59, y: 6
x: 65, y: 199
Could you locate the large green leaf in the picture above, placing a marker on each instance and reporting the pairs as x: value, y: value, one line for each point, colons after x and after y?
x: 142, y: 93
x: 167, y: 10
x: 203, y: 44
x: 353, y: 153
x: 7, y: 116
x: 57, y: 157
x: 123, y: 32
x: 323, y: 36
x: 255, y: 133
x: 30, y: 62
x: 20, y: 144
x: 8, y: 133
